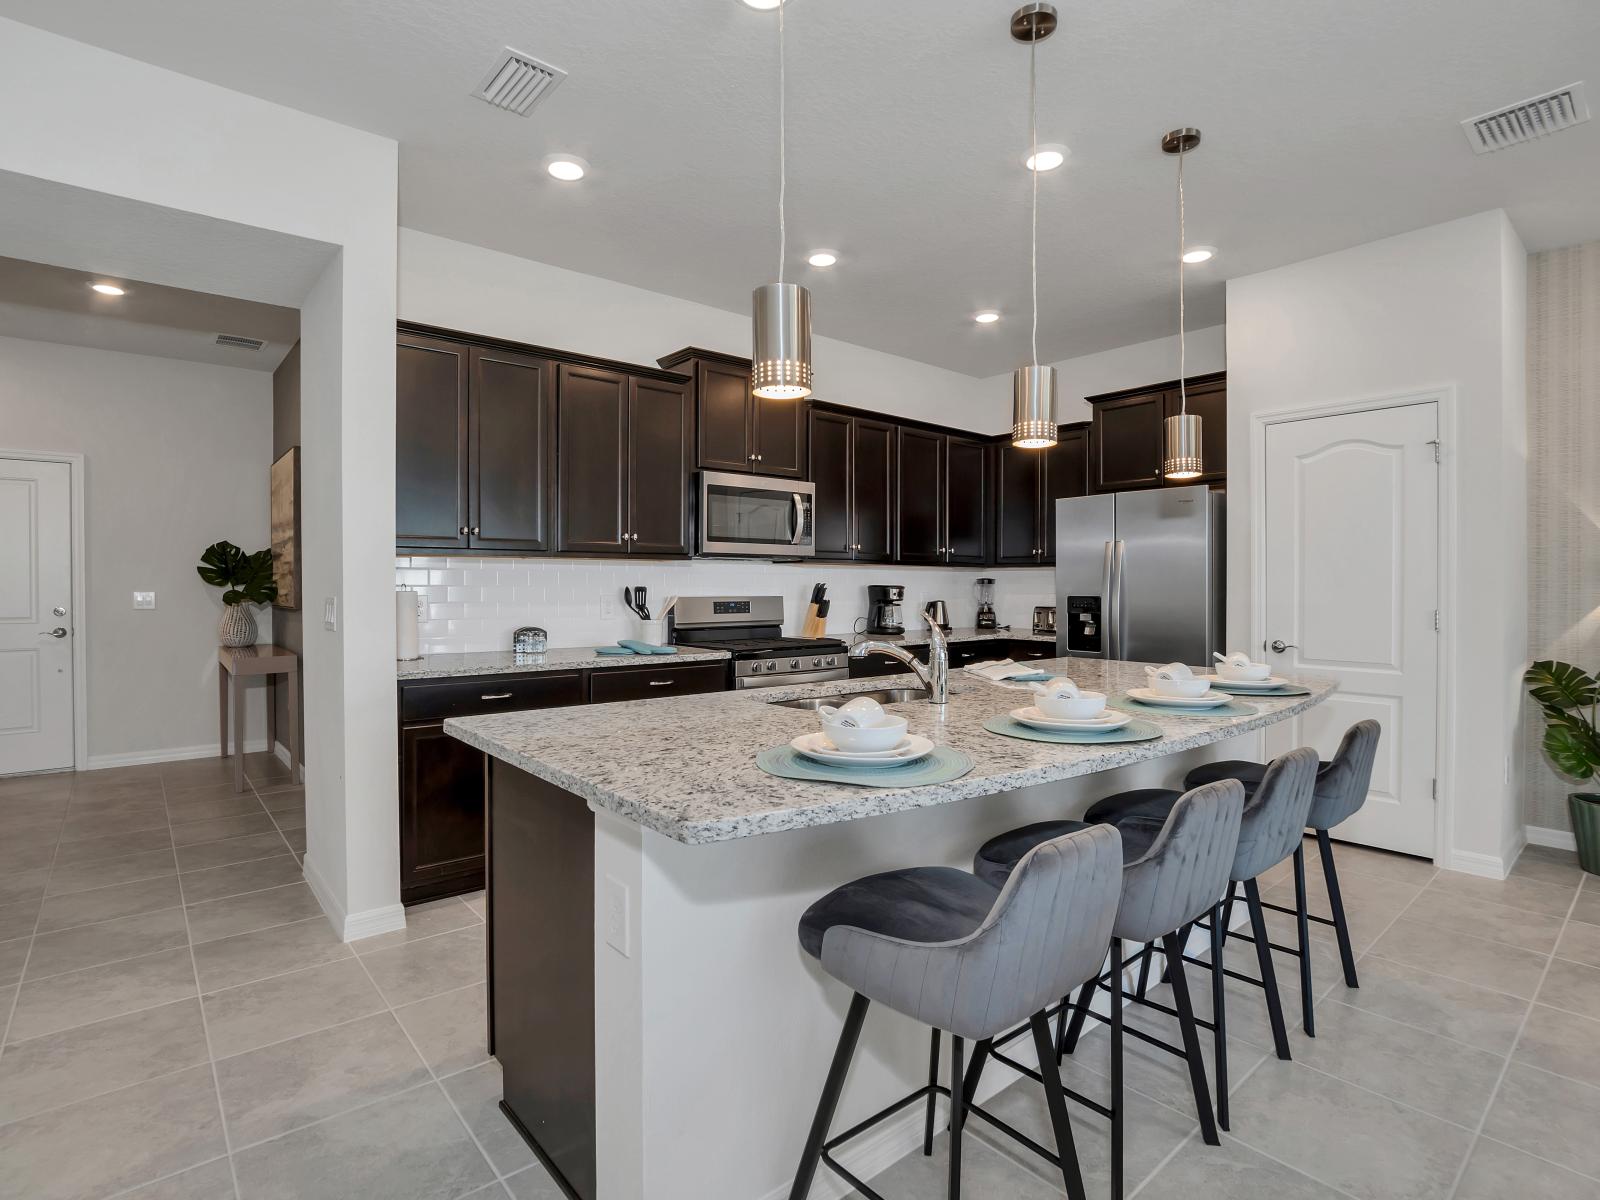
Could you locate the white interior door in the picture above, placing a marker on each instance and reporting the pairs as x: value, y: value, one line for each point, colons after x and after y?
x: 1351, y: 570
x: 35, y: 616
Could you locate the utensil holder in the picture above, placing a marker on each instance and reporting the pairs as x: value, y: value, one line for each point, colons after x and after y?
x: 654, y: 632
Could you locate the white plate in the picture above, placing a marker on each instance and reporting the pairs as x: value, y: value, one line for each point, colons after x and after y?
x: 817, y: 746
x: 1270, y: 684
x: 1209, y: 700
x: 1033, y: 717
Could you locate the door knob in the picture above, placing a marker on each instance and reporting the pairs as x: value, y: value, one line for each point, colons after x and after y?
x: 57, y: 632
x: 1279, y: 646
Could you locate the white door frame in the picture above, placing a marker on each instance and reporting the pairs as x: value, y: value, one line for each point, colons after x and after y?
x: 80, y: 600
x: 1444, y: 396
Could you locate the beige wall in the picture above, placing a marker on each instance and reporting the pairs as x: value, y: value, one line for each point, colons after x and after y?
x: 1563, y: 433
x: 286, y: 627
x: 175, y: 458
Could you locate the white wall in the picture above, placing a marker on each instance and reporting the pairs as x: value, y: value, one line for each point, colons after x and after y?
x: 1441, y: 306
x: 175, y: 459
x: 448, y: 283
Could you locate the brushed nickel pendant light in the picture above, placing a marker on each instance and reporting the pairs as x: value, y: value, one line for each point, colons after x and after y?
x: 1183, y: 459
x: 1033, y: 388
x: 780, y: 356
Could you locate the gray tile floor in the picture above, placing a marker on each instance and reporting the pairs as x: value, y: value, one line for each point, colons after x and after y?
x: 181, y: 1024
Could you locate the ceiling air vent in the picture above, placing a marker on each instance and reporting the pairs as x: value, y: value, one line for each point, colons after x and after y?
x: 1528, y: 120
x: 239, y: 343
x: 518, y: 81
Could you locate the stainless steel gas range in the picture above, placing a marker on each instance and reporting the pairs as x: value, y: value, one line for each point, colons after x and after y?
x: 751, y: 629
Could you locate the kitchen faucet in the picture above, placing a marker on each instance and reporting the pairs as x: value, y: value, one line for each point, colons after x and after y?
x: 935, y: 676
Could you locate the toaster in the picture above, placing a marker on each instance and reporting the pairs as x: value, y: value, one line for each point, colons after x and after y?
x: 1044, y: 619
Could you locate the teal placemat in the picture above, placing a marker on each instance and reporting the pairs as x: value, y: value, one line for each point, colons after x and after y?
x: 1134, y: 731
x: 1231, y: 709
x: 943, y: 765
x: 1294, y: 689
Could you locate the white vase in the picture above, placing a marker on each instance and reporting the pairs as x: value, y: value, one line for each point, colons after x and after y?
x: 238, y: 626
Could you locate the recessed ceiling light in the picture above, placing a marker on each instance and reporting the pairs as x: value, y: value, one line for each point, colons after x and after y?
x: 108, y: 289
x: 1199, y: 254
x: 823, y: 258
x: 763, y: 5
x: 1050, y: 157
x: 566, y: 167
x: 987, y: 317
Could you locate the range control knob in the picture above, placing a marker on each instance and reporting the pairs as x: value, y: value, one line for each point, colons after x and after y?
x: 831, y: 661
x: 794, y: 664
x: 771, y: 666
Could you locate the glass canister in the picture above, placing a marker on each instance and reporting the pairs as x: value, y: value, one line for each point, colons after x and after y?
x: 530, y: 639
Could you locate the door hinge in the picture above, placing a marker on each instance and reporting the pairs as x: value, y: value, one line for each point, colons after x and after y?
x: 1436, y: 444
x: 1436, y: 620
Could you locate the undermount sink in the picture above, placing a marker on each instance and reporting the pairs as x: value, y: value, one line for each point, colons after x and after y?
x: 881, y: 695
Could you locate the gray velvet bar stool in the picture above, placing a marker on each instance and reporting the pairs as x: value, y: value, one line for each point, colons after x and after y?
x: 1175, y: 869
x: 1340, y: 791
x: 958, y: 954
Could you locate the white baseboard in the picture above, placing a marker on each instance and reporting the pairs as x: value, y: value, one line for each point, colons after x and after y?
x: 1468, y: 862
x: 136, y: 758
x: 1557, y: 839
x: 352, y: 926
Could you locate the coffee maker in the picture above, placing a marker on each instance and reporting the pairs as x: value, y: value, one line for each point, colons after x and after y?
x: 883, y: 608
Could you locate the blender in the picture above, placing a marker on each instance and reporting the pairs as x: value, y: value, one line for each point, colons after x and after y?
x: 985, y: 592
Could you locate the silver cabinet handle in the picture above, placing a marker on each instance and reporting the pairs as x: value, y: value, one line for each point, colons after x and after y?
x: 662, y: 682
x: 758, y: 458
x: 497, y: 696
x: 463, y: 531
x: 1279, y: 646
x: 57, y: 632
x: 474, y: 531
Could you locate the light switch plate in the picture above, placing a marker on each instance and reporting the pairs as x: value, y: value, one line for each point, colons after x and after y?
x: 617, y: 916
x: 608, y: 606
x: 144, y: 599
x: 330, y: 614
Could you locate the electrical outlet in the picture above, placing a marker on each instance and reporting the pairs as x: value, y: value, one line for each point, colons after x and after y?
x: 330, y: 614
x: 617, y: 916
x: 608, y: 606
x: 144, y: 599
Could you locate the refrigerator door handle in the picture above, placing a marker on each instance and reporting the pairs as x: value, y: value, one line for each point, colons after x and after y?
x: 1117, y: 646
x: 1108, y: 617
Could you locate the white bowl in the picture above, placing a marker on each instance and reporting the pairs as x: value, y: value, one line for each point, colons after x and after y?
x: 885, y: 736
x: 1254, y: 673
x: 1179, y: 687
x: 1081, y: 707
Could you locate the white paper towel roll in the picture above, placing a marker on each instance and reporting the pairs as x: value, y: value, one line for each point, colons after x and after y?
x: 406, y: 636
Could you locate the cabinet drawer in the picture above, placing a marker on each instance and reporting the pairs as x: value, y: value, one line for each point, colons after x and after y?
x: 487, y: 694
x: 643, y: 683
x: 1026, y: 651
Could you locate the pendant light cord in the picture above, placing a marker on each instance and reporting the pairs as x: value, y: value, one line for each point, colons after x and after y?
x: 1033, y: 169
x: 783, y: 150
x: 1183, y: 248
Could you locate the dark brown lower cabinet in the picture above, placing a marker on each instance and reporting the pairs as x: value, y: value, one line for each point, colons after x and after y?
x: 651, y: 683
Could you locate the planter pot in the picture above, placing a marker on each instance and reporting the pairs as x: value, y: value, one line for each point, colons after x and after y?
x: 238, y: 626
x: 1585, y: 810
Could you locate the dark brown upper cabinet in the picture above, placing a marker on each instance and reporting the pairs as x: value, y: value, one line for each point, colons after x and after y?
x: 737, y: 430
x: 852, y: 463
x: 1066, y: 474
x: 624, y: 453
x: 474, y: 447
x: 1127, y: 441
x: 1028, y: 483
x: 940, y: 498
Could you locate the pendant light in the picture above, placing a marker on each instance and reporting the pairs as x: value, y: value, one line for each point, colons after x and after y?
x: 780, y: 357
x: 1182, y: 459
x: 1033, y: 388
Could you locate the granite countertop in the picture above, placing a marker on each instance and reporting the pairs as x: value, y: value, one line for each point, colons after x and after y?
x: 557, y: 658
x: 638, y: 759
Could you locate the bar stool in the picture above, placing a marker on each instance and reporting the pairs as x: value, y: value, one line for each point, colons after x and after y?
x: 1175, y: 869
x: 1341, y: 789
x: 958, y: 954
x: 1270, y: 831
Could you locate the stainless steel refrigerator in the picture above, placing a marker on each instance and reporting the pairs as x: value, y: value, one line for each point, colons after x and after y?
x: 1139, y: 575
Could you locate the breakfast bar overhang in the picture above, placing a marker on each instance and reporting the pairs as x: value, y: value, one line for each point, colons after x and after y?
x: 661, y: 1033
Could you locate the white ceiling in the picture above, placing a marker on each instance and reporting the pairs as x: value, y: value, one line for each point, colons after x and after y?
x: 1326, y: 125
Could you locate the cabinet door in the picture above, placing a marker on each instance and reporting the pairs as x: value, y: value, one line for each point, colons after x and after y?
x: 430, y: 443
x: 660, y: 433
x: 1066, y: 474
x: 966, y: 501
x: 723, y: 437
x: 513, y: 441
x: 1127, y: 442
x: 780, y: 437
x: 831, y: 522
x: 1209, y: 402
x: 919, y: 497
x: 1018, y: 475
x: 592, y: 449
x: 441, y: 814
x: 872, y: 489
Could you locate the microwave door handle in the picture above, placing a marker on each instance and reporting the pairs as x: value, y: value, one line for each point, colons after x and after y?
x: 799, y: 518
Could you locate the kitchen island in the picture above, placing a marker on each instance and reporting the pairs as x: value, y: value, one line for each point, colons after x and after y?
x: 661, y: 1032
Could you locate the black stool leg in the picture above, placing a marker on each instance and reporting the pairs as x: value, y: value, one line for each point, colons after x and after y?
x: 1066, y: 1148
x: 1191, y: 1038
x: 980, y: 1057
x: 831, y: 1090
x: 1302, y: 918
x: 1144, y: 971
x: 1116, y: 1078
x: 1219, y: 1011
x: 1069, y: 1038
x: 1336, y: 902
x: 958, y: 1115
x: 933, y: 1079
x: 1269, y: 978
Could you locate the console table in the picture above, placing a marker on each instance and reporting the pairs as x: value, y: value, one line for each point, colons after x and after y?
x: 240, y: 663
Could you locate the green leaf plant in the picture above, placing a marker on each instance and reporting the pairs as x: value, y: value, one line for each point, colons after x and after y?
x: 1568, y: 697
x: 247, y: 578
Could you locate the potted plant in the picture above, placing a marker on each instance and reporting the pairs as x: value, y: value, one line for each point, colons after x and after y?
x: 1568, y: 697
x: 247, y: 579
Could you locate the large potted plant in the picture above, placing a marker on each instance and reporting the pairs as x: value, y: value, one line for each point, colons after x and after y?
x: 1568, y: 697
x: 246, y: 580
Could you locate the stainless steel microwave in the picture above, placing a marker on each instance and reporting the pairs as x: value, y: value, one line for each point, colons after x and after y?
x: 755, y: 517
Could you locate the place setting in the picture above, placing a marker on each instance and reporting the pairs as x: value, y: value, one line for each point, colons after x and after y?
x: 1062, y: 712
x: 861, y: 743
x: 1175, y: 688
x: 1237, y: 675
